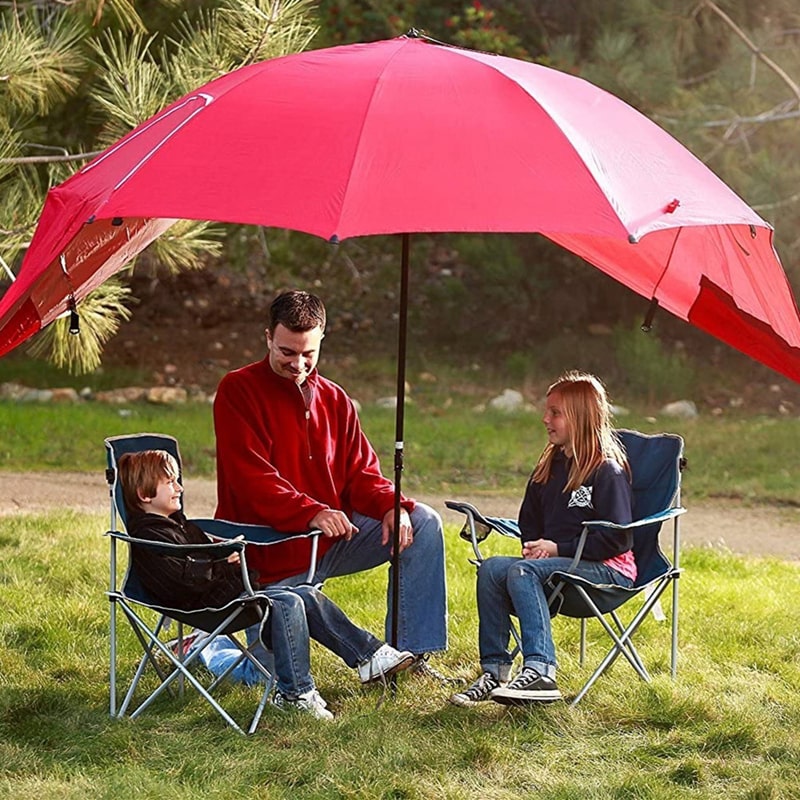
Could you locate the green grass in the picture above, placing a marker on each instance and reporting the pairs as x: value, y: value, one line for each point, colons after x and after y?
x: 726, y: 728
x: 449, y: 446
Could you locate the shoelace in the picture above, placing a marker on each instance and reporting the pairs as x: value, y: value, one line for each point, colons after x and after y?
x: 422, y: 667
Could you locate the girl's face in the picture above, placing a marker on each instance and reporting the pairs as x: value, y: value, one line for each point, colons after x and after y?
x: 167, y: 499
x: 555, y: 423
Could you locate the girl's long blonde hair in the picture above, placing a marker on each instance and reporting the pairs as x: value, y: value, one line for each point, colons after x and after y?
x: 588, y: 414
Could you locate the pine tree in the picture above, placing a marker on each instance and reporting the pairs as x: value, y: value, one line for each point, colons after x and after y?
x: 75, y: 77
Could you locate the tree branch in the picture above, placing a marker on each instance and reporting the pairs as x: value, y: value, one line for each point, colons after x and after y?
x: 712, y: 6
x: 49, y: 159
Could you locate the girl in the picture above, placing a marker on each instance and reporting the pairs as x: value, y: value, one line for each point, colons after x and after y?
x: 582, y: 475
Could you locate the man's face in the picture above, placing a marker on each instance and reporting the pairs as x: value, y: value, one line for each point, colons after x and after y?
x: 292, y: 354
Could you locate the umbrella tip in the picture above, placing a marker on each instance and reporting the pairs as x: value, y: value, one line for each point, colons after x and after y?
x: 334, y: 239
x: 74, y: 319
x: 414, y: 33
x: 647, y: 325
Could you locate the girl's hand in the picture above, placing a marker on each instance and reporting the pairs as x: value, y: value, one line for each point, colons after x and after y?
x: 233, y: 558
x: 539, y: 548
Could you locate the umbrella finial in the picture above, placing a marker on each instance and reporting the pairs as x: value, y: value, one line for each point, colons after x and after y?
x: 414, y: 33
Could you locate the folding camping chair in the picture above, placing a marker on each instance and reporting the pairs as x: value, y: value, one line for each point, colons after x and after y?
x: 170, y: 662
x: 656, y: 463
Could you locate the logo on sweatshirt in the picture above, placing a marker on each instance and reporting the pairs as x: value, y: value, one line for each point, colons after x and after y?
x: 581, y: 498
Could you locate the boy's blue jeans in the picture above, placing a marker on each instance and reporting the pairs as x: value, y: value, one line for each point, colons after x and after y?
x: 508, y: 586
x: 297, y: 614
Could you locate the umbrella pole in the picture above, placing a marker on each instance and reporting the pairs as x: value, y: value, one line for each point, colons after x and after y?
x: 398, y: 435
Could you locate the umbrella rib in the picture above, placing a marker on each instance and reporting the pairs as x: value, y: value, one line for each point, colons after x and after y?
x: 356, y: 148
x: 207, y: 100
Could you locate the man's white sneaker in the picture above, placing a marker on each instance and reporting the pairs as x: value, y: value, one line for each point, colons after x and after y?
x: 310, y: 702
x: 385, y: 661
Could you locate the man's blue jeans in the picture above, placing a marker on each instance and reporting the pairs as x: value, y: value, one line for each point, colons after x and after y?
x: 422, y: 613
x: 513, y: 586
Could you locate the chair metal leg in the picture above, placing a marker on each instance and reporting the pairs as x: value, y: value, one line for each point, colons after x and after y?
x: 676, y: 544
x: 583, y: 641
x: 181, y: 669
x: 622, y: 641
x: 112, y: 670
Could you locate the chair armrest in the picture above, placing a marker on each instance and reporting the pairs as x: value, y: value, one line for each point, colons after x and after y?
x: 250, y: 534
x: 260, y: 535
x: 661, y: 516
x: 477, y: 527
x: 220, y: 549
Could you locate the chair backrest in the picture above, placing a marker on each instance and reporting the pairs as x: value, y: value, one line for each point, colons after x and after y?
x: 116, y: 446
x: 656, y: 462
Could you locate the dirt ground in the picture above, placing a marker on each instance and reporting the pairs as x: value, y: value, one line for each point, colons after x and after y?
x: 760, y: 530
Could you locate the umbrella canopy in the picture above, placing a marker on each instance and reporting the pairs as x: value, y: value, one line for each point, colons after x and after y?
x: 402, y: 136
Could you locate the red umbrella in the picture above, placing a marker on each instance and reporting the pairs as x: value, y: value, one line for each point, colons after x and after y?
x: 404, y: 135
x: 401, y: 136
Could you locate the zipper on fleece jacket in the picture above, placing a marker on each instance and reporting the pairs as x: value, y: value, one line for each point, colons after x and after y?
x: 307, y: 393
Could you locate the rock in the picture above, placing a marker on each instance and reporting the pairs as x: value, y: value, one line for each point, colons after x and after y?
x: 509, y: 401
x: 12, y: 391
x: 167, y: 395
x: 65, y: 395
x: 36, y: 396
x: 127, y: 394
x: 683, y: 409
x: 386, y: 402
x: 620, y: 411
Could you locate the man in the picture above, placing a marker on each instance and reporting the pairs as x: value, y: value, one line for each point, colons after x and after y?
x: 291, y: 454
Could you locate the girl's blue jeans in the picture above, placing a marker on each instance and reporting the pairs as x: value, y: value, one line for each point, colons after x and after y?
x: 510, y: 586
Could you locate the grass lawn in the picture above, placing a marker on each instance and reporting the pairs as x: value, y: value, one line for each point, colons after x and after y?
x: 449, y: 447
x: 726, y: 728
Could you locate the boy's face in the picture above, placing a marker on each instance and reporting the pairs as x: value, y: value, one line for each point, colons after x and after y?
x: 167, y: 499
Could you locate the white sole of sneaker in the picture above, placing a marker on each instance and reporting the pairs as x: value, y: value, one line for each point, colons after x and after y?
x: 393, y: 670
x: 507, y: 698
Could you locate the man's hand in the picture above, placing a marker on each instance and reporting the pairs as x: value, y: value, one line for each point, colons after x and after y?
x: 334, y: 524
x: 540, y: 548
x: 406, y: 531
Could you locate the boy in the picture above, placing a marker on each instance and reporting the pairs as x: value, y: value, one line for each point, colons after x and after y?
x: 152, y: 495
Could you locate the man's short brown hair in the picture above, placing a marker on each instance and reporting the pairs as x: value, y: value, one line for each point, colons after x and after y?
x: 297, y: 311
x: 141, y: 472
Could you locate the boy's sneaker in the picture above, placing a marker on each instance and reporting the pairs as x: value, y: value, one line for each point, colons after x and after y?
x: 310, y: 702
x: 384, y: 661
x: 479, y: 692
x: 528, y: 687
